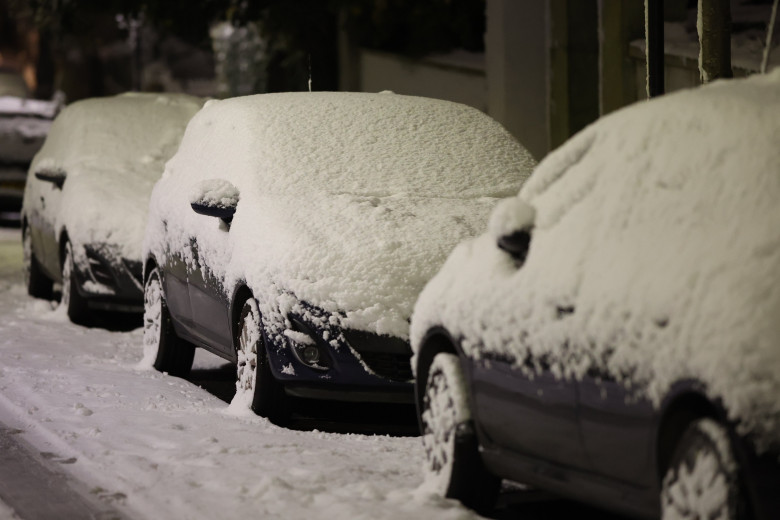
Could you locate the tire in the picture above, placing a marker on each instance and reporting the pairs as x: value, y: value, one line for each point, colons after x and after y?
x: 38, y: 284
x: 702, y: 480
x: 255, y: 384
x: 162, y: 348
x: 453, y: 467
x: 75, y: 304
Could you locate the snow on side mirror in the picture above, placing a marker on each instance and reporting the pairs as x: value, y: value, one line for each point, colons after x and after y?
x: 510, y: 225
x: 215, y: 198
x: 55, y: 176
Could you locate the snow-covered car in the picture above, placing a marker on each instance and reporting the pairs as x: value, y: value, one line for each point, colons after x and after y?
x: 24, y: 123
x: 291, y: 234
x: 87, y: 195
x: 614, y: 336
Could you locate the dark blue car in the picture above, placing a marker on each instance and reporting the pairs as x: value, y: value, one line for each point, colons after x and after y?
x: 292, y: 233
x: 613, y: 336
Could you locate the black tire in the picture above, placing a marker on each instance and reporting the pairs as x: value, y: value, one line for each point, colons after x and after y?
x: 453, y: 467
x: 162, y: 348
x: 38, y: 284
x: 76, y: 305
x: 702, y: 480
x: 255, y: 383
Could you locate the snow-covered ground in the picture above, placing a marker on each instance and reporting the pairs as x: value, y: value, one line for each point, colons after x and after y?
x: 158, y: 447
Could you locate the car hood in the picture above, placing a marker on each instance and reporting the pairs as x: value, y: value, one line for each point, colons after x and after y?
x: 366, y: 257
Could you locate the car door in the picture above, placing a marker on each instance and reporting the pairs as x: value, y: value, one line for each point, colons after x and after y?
x: 176, y: 291
x: 208, y: 299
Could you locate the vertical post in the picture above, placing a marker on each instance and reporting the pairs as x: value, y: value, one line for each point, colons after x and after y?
x: 770, y: 31
x: 654, y: 40
x: 714, y: 27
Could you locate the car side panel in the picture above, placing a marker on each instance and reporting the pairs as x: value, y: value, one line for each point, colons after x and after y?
x: 176, y: 293
x: 210, y: 309
x: 533, y: 417
x: 618, y: 432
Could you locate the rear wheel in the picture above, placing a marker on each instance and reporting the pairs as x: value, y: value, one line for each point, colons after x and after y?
x: 38, y: 284
x: 453, y: 467
x: 255, y: 384
x: 702, y: 481
x: 162, y: 348
x: 73, y: 302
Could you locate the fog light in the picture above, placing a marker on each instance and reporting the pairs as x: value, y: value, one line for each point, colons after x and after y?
x: 303, y: 340
x: 310, y: 355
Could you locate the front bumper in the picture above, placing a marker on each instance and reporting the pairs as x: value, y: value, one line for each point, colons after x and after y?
x: 108, y: 282
x: 354, y: 366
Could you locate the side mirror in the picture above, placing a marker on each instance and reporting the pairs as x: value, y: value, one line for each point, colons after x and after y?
x: 511, y: 224
x: 54, y: 176
x: 516, y: 244
x: 215, y: 198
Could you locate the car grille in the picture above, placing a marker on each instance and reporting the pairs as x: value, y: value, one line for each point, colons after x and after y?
x: 396, y: 367
x: 386, y: 356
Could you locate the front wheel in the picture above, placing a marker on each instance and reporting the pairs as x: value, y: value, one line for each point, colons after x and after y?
x: 255, y: 384
x: 453, y: 467
x: 72, y: 300
x: 702, y: 480
x: 162, y: 348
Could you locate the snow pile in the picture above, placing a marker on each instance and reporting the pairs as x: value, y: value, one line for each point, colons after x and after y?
x: 112, y: 150
x: 655, y: 253
x: 350, y: 202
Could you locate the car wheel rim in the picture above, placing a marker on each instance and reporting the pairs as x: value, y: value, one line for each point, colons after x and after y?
x: 703, y: 485
x: 247, y: 353
x: 152, y: 317
x: 444, y: 411
x: 27, y: 256
x: 67, y: 273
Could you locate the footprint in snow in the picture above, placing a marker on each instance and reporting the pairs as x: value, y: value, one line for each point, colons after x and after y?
x: 56, y: 458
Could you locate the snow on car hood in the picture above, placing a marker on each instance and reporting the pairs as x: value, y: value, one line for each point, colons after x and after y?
x: 372, y: 268
x: 113, y: 150
x: 348, y: 201
x: 655, y: 254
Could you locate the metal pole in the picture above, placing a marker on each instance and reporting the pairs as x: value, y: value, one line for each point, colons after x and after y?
x: 769, y: 34
x: 654, y: 29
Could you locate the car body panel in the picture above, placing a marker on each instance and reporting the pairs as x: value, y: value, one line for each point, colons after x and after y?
x: 507, y: 401
x: 650, y: 281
